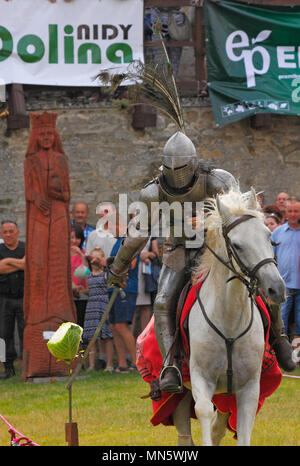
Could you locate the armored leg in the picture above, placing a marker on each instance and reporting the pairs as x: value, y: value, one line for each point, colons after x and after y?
x: 169, y: 288
x: 279, y: 341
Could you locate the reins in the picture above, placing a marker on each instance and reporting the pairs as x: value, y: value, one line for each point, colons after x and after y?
x: 250, y: 284
x: 229, y: 342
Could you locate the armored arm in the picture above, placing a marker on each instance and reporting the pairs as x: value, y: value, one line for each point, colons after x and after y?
x: 127, y: 252
x: 220, y: 181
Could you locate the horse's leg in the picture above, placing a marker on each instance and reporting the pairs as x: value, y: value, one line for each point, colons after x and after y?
x: 247, y: 403
x: 182, y: 422
x: 202, y: 393
x: 218, y: 428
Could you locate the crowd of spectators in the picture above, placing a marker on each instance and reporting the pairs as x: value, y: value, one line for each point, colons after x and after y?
x: 283, y: 220
x: 89, y: 250
x: 131, y: 311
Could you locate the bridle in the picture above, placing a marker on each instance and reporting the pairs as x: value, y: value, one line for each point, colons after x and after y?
x: 251, y: 285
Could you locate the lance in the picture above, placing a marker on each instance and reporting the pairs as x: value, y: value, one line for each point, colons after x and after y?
x: 97, y: 331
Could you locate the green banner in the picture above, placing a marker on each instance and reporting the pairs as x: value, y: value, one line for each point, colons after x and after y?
x: 253, y: 59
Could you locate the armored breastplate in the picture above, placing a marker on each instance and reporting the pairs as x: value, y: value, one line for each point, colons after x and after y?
x: 187, y: 199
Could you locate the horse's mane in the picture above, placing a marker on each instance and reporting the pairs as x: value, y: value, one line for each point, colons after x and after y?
x: 237, y: 204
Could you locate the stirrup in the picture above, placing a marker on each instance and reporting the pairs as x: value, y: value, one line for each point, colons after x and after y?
x: 284, y: 353
x: 174, y: 389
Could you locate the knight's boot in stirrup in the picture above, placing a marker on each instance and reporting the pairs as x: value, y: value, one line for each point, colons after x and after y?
x: 280, y: 342
x: 170, y: 380
x: 283, y: 350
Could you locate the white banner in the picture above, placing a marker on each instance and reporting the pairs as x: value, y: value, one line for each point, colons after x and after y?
x: 68, y: 44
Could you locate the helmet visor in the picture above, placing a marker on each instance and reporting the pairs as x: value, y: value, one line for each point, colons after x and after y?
x: 178, y: 177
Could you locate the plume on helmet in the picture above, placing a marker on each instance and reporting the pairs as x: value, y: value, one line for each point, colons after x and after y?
x: 154, y: 84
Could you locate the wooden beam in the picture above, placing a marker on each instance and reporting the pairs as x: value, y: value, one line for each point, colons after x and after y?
x: 261, y: 120
x: 18, y: 117
x: 143, y: 116
x: 167, y: 3
x: 200, y: 71
x: 197, y: 41
x: 171, y: 43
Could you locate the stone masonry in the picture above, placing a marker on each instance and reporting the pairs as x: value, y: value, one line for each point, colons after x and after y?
x: 107, y: 156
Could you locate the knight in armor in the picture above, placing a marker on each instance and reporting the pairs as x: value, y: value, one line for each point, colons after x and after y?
x: 184, y: 178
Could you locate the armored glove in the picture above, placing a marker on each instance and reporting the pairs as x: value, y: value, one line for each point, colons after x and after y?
x: 113, y: 278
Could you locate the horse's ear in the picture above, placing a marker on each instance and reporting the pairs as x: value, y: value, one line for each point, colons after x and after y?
x: 224, y: 212
x: 252, y: 202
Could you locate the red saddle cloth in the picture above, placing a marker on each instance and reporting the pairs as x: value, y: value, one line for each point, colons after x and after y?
x: 149, y: 363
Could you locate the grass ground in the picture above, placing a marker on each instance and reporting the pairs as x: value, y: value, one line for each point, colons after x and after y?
x: 109, y: 411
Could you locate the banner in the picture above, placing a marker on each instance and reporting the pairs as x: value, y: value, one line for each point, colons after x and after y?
x: 68, y: 44
x: 253, y: 59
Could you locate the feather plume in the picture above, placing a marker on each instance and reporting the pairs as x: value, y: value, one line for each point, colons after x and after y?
x: 154, y: 84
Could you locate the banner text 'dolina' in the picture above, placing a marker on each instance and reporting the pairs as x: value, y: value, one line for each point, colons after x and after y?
x: 76, y: 49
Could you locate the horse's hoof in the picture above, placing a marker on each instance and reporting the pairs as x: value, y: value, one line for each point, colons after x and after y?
x: 170, y: 381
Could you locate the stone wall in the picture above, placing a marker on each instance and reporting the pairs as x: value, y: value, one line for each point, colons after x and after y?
x: 107, y: 156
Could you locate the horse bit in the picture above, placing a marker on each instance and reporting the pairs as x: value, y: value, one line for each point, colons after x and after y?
x: 250, y: 284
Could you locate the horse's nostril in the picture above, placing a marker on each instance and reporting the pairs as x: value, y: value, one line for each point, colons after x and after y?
x: 271, y: 292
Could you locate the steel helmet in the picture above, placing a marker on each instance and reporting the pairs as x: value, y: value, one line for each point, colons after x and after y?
x: 179, y: 160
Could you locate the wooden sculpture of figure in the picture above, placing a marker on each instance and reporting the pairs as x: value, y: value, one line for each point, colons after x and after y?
x: 48, y: 299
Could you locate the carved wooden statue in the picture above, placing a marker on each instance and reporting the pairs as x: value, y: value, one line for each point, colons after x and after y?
x: 48, y: 299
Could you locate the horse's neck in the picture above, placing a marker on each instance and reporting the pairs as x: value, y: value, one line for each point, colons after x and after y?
x: 231, y: 304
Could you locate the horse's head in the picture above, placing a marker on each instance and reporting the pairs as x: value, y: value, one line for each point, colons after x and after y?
x: 248, y: 242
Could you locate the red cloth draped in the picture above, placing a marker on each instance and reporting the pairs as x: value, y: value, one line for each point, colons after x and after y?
x: 149, y: 363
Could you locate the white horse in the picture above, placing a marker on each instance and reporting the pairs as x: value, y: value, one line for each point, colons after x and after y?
x: 236, y: 236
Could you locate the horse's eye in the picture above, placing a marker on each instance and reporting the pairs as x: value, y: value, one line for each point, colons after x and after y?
x: 237, y: 247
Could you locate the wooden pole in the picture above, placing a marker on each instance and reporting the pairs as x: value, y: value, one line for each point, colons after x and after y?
x: 71, y: 427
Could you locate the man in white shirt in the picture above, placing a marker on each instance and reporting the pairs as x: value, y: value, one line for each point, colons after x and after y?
x: 102, y: 237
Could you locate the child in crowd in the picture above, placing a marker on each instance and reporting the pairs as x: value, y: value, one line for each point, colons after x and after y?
x: 79, y: 285
x: 96, y: 306
x: 272, y: 222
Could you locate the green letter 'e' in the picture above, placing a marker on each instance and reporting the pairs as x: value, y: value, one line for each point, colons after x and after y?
x: 295, y: 93
x: 39, y: 48
x: 112, y: 50
x: 7, y: 43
